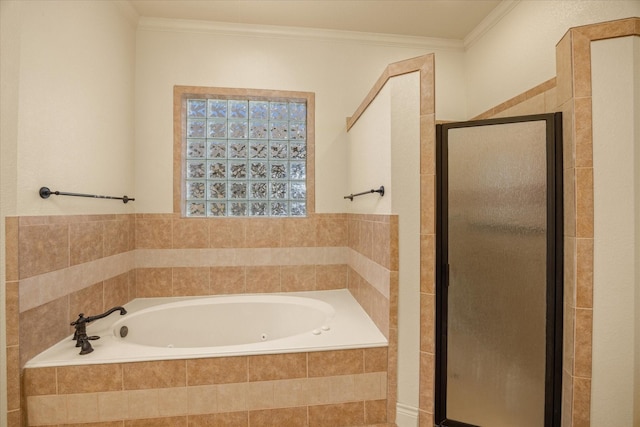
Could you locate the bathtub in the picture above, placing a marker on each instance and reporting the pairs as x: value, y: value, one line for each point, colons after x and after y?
x: 218, y: 326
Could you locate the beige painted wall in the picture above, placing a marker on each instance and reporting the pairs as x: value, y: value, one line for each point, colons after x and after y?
x: 384, y: 149
x: 9, y: 72
x: 66, y: 112
x: 518, y: 52
x: 80, y: 58
x: 340, y: 70
x: 616, y: 119
x: 75, y: 100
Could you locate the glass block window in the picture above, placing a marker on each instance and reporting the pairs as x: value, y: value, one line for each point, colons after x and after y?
x: 245, y: 157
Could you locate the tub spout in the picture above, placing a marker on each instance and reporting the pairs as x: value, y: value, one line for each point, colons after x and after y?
x: 80, y: 334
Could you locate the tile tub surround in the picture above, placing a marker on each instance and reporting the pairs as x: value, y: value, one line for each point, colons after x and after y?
x: 346, y: 387
x: 165, y: 255
x: 570, y: 93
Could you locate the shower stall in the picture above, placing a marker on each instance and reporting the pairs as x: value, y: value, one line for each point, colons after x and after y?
x: 499, y: 272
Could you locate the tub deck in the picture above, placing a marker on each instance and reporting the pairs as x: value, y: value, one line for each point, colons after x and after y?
x: 351, y: 328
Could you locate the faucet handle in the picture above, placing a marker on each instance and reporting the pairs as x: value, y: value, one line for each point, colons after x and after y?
x: 81, y: 319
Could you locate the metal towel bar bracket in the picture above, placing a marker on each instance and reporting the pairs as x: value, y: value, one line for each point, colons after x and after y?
x: 379, y: 191
x: 45, y: 193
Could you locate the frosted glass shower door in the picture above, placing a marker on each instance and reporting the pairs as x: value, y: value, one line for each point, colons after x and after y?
x: 497, y: 273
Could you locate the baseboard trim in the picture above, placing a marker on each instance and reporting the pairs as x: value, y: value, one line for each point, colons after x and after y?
x: 406, y: 415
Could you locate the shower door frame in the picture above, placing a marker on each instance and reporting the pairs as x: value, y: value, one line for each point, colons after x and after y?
x: 554, y: 273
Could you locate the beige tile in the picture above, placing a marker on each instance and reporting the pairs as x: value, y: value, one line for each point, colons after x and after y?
x: 219, y: 370
x: 39, y: 381
x: 73, y: 379
x: 277, y: 366
x: 331, y: 230
x: 583, y: 132
x: 82, y: 408
x: 283, y: 417
x: 12, y: 313
x: 584, y: 273
x: 88, y: 301
x: 86, y: 241
x: 14, y: 418
x: 332, y: 276
x: 190, y: 233
x: 564, y: 71
x: 375, y: 359
x: 427, y: 85
x: 550, y: 100
x: 568, y: 348
x: 262, y: 279
x: 427, y: 263
x: 12, y: 225
x: 584, y: 202
x: 227, y: 280
x: 427, y: 204
x: 143, y: 403
x: 295, y: 278
x: 116, y: 291
x: 227, y: 233
x: 370, y: 386
x: 172, y: 401
x: 427, y: 323
x: 158, y: 374
x: 570, y: 271
x: 190, y: 281
x: 427, y: 370
x: 611, y: 29
x: 264, y: 233
x: 375, y: 411
x: 299, y: 232
x: 365, y: 240
x: 583, y: 342
x: 260, y: 395
x: 153, y: 282
x: 228, y: 419
x: 392, y: 303
x: 568, y: 139
x: 156, y: 422
x: 318, y: 391
x: 581, y: 406
x: 153, y: 232
x: 569, y: 200
x: 43, y: 248
x: 533, y: 105
x: 232, y: 397
x: 113, y: 405
x: 381, y: 244
x: 46, y: 410
x: 425, y: 419
x: 581, y: 52
x: 427, y: 144
x: 202, y: 399
x: 117, y: 235
x: 289, y: 393
x: 337, y: 362
x: 351, y: 413
x: 567, y: 399
x: 43, y: 326
x: 343, y: 388
x: 13, y: 378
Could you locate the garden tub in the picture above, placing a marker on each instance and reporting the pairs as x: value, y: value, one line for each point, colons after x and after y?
x: 226, y: 325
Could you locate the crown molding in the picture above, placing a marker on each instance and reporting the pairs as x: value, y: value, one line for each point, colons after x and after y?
x: 489, y: 22
x: 128, y: 11
x: 251, y: 30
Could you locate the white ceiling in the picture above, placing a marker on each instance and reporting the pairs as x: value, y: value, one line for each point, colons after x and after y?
x: 445, y: 19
